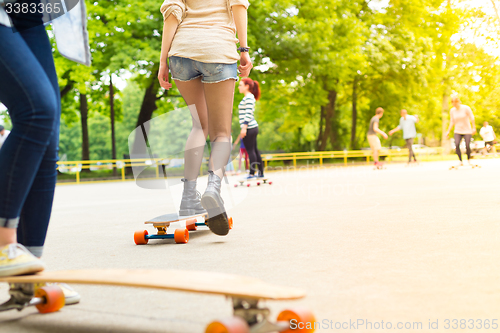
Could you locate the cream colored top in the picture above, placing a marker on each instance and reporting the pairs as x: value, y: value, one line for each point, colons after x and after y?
x: 206, y: 30
x: 462, y: 119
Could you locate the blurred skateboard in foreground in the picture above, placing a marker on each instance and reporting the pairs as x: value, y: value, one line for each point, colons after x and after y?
x: 244, y: 292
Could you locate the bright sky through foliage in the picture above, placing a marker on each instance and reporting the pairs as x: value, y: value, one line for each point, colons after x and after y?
x: 482, y: 28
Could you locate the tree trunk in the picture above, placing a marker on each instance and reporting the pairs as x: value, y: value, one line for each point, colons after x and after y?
x: 85, y: 129
x: 112, y: 117
x: 329, y: 115
x: 321, y: 121
x: 66, y: 89
x: 148, y: 106
x: 354, y: 112
x: 299, y: 135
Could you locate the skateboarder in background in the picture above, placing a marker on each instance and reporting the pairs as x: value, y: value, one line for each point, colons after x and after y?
x: 461, y: 117
x: 249, y: 126
x: 200, y: 45
x: 407, y: 124
x: 489, y: 137
x: 373, y: 139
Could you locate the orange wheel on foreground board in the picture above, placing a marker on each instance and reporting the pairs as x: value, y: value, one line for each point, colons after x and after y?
x: 191, y: 225
x: 302, y: 320
x: 181, y: 236
x: 140, y: 237
x: 230, y: 325
x: 230, y: 221
x: 54, y: 299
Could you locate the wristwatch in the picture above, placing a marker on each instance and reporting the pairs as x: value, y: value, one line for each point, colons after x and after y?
x: 243, y: 49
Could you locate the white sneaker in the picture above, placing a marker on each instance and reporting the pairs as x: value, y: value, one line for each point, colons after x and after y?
x: 70, y: 295
x: 15, y: 259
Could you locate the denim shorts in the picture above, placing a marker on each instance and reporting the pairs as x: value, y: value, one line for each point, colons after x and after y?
x: 184, y: 69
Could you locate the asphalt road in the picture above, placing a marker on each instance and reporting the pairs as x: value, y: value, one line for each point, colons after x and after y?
x: 405, y: 245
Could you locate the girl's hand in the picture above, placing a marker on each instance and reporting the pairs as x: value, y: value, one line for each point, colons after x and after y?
x: 243, y: 132
x: 163, y: 76
x: 245, y: 64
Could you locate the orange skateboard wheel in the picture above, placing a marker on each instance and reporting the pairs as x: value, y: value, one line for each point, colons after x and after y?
x: 140, y: 237
x: 230, y: 325
x: 54, y: 299
x: 230, y: 221
x: 181, y: 236
x: 301, y: 320
x: 191, y: 225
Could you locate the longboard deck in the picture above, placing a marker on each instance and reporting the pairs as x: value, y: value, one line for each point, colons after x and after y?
x: 162, y: 223
x: 189, y: 281
x: 456, y: 167
x: 253, y: 179
x: 171, y: 218
x: 258, y: 181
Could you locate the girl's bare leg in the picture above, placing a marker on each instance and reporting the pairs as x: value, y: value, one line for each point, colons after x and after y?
x: 219, y: 97
x: 194, y: 95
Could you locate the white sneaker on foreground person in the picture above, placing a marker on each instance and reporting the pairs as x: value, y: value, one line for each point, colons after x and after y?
x: 70, y: 295
x: 15, y: 259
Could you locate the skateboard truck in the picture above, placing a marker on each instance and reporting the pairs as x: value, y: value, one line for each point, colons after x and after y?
x: 21, y: 295
x: 249, y: 317
x: 45, y: 299
x: 256, y: 317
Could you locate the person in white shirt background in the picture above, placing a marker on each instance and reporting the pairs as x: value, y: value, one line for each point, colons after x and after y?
x: 489, y: 137
x: 407, y: 124
x: 3, y: 135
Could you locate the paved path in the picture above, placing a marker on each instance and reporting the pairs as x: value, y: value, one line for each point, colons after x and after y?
x: 405, y: 244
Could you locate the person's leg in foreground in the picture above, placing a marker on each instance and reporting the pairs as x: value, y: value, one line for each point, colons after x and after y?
x: 30, y: 91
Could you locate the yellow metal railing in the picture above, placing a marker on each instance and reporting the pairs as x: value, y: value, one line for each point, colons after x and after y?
x: 78, y: 166
x: 121, y: 164
x: 345, y: 155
